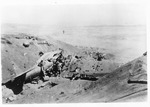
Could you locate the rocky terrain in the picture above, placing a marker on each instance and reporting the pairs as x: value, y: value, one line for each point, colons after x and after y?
x: 115, y: 82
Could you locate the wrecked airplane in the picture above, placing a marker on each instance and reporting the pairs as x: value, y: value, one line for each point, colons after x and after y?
x: 49, y: 64
x: 17, y: 82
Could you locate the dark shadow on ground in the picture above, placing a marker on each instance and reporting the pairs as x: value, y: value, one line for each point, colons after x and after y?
x: 16, y: 85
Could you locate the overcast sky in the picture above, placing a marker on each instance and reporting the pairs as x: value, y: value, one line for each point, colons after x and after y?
x: 78, y: 14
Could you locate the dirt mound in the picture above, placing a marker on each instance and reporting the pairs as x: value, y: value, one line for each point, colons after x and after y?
x: 125, y: 82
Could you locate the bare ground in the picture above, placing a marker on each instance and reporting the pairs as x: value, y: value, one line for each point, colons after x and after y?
x: 20, y: 52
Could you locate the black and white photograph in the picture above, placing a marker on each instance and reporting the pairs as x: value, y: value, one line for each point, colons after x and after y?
x: 67, y: 51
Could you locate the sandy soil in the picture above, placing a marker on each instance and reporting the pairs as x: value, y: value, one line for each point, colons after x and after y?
x: 20, y: 52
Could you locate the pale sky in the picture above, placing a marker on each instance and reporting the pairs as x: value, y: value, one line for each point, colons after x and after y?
x: 76, y: 14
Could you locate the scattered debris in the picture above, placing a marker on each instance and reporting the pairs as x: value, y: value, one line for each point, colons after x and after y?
x: 98, y: 56
x: 26, y: 44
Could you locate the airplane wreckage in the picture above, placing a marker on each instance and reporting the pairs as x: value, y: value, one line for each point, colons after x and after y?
x: 55, y: 64
x: 50, y: 64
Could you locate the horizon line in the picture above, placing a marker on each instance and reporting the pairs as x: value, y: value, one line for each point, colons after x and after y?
x: 103, y: 25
